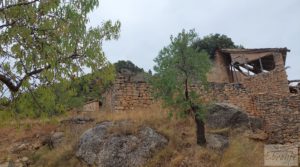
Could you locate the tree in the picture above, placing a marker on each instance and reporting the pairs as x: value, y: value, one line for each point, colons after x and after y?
x: 212, y: 42
x: 122, y: 64
x: 43, y: 42
x: 178, y: 67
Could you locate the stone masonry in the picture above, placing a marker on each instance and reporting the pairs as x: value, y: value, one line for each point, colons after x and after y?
x: 262, y: 92
x: 130, y: 91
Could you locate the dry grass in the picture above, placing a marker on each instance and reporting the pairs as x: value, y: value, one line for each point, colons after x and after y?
x: 243, y: 152
x: 181, y: 150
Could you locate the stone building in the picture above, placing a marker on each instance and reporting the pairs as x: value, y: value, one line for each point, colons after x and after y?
x: 130, y: 91
x: 253, y: 79
x: 93, y: 105
x: 256, y: 81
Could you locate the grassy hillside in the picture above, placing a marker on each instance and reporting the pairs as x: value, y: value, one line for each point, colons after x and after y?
x: 181, y: 150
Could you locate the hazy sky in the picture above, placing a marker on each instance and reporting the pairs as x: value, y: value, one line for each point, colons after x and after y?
x: 148, y: 24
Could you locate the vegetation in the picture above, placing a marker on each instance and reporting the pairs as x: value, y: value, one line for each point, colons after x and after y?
x: 122, y: 64
x: 212, y: 42
x: 45, y: 51
x: 43, y: 42
x: 181, y: 150
x: 178, y: 66
x: 57, y: 98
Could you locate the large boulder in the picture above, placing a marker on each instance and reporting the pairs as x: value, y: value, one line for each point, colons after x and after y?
x: 103, y: 147
x: 223, y: 115
x: 217, y: 142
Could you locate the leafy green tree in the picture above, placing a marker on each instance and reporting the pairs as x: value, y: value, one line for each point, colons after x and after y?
x: 122, y: 64
x: 212, y: 42
x: 55, y: 99
x: 43, y: 42
x: 178, y: 67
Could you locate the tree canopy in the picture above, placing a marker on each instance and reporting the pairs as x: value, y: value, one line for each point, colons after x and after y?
x: 122, y: 64
x: 178, y: 67
x: 212, y: 42
x: 43, y: 42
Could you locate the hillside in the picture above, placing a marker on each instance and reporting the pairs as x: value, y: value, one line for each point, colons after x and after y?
x: 20, y: 141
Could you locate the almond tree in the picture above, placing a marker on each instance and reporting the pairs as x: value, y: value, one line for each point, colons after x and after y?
x: 178, y: 67
x: 45, y: 41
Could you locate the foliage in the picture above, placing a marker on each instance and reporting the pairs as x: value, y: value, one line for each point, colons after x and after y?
x: 45, y: 50
x: 212, y: 42
x: 44, y: 42
x: 92, y: 86
x: 55, y: 99
x: 122, y: 64
x: 177, y: 65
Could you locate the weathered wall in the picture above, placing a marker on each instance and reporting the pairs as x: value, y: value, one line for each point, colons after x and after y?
x: 235, y: 94
x: 129, y: 93
x: 91, y: 106
x: 272, y: 82
x: 282, y: 117
x: 219, y: 72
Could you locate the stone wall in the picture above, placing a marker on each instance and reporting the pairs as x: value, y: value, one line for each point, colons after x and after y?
x: 129, y: 93
x: 281, y: 115
x: 235, y: 94
x: 265, y: 95
x: 91, y: 106
x: 270, y: 82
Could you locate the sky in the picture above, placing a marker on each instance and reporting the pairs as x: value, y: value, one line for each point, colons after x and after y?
x: 148, y: 24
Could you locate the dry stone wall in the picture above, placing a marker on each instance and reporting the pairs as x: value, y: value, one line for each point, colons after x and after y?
x: 265, y: 95
x: 282, y: 117
x: 235, y: 94
x: 271, y: 82
x: 129, y: 93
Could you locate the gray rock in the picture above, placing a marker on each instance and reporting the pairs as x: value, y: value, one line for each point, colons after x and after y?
x: 222, y: 115
x: 114, y: 149
x: 217, y: 142
x: 256, y: 123
x: 57, y: 138
x: 78, y: 120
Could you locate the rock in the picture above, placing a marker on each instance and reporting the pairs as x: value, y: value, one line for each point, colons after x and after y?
x: 256, y: 123
x: 78, y: 120
x: 223, y: 115
x: 19, y: 147
x: 25, y: 159
x: 5, y: 164
x: 114, y: 149
x: 217, y: 142
x: 11, y: 164
x: 57, y: 138
x: 257, y: 135
x: 53, y: 140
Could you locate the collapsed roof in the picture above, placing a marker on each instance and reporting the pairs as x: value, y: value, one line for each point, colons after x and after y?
x: 253, y: 60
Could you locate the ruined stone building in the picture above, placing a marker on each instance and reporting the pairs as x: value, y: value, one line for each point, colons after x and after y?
x: 255, y: 80
x: 130, y: 91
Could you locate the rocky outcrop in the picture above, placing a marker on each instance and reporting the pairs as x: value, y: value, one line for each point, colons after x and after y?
x: 221, y: 118
x: 77, y: 120
x: 217, y: 142
x: 223, y: 115
x: 105, y: 148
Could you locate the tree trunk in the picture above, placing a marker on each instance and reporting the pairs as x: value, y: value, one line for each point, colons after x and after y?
x: 200, y: 131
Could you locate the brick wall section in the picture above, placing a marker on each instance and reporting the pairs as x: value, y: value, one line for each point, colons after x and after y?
x: 128, y: 94
x: 281, y: 116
